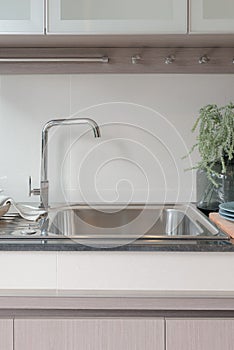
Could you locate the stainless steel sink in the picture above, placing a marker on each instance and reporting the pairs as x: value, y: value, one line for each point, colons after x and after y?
x: 111, y: 226
x: 134, y: 223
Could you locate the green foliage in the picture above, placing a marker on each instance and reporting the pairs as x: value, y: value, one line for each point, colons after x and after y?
x: 215, y: 140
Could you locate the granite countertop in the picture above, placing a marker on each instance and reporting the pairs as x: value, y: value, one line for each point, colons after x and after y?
x: 35, y: 244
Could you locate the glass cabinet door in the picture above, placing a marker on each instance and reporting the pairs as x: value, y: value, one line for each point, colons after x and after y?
x: 21, y: 16
x: 117, y: 17
x: 212, y: 16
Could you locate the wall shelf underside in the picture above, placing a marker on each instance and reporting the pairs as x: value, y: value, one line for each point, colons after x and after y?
x: 105, y: 60
x: 124, y: 40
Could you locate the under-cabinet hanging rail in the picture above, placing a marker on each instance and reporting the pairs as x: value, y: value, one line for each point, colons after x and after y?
x: 118, y: 60
x: 103, y: 59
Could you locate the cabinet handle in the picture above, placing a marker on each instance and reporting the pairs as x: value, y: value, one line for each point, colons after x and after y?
x: 103, y: 59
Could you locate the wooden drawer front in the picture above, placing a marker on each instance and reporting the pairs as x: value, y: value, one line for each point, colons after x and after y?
x: 89, y: 334
x: 200, y: 334
x: 6, y: 334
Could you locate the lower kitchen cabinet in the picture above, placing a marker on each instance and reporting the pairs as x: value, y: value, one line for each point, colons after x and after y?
x: 117, y: 321
x: 200, y: 334
x: 111, y: 333
x: 89, y: 334
x: 6, y: 334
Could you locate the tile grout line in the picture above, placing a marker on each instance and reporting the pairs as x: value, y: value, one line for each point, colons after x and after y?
x: 70, y: 109
x: 70, y: 95
x: 57, y: 272
x: 13, y: 333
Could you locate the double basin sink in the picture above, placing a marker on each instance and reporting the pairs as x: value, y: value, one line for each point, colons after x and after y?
x: 117, y: 225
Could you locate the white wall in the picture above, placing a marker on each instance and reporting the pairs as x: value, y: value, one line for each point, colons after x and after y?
x: 145, y: 122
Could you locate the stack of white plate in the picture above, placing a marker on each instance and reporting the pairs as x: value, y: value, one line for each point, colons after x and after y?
x: 226, y: 210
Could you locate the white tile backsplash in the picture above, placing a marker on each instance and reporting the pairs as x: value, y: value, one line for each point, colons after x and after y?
x: 145, y: 123
x: 28, y: 270
x: 162, y: 271
x: 26, y: 103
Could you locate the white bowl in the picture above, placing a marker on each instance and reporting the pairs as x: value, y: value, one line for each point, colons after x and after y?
x: 4, y: 209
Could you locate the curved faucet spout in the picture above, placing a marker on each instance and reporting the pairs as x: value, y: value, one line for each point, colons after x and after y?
x: 44, y: 187
x: 72, y: 121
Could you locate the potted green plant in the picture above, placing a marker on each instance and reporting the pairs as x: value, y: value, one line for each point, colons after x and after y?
x: 215, y: 143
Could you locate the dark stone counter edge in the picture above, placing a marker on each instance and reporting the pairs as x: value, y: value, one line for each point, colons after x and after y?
x: 71, y: 246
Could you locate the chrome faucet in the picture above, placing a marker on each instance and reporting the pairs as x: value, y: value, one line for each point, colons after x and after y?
x: 43, y: 191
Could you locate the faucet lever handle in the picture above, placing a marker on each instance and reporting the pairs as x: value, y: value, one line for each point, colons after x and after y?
x: 32, y: 191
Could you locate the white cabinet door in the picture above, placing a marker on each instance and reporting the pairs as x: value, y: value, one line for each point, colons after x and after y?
x: 117, y: 16
x: 211, y: 16
x: 200, y: 334
x: 21, y: 16
x: 89, y: 334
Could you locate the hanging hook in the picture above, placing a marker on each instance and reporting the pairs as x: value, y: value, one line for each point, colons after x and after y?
x: 204, y: 59
x: 170, y: 59
x: 136, y: 59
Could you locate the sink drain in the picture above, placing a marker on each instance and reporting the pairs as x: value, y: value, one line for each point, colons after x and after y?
x: 28, y: 232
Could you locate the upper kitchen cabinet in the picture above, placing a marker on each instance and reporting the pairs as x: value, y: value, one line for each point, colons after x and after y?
x: 116, y: 17
x: 211, y: 16
x: 21, y: 16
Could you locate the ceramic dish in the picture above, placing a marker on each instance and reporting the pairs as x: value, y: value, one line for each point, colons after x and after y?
x: 228, y: 206
x: 4, y: 209
x: 226, y: 217
x: 227, y: 213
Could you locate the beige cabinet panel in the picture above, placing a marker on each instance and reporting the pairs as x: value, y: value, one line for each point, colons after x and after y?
x: 212, y: 16
x: 200, y: 334
x: 6, y: 334
x: 89, y: 334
